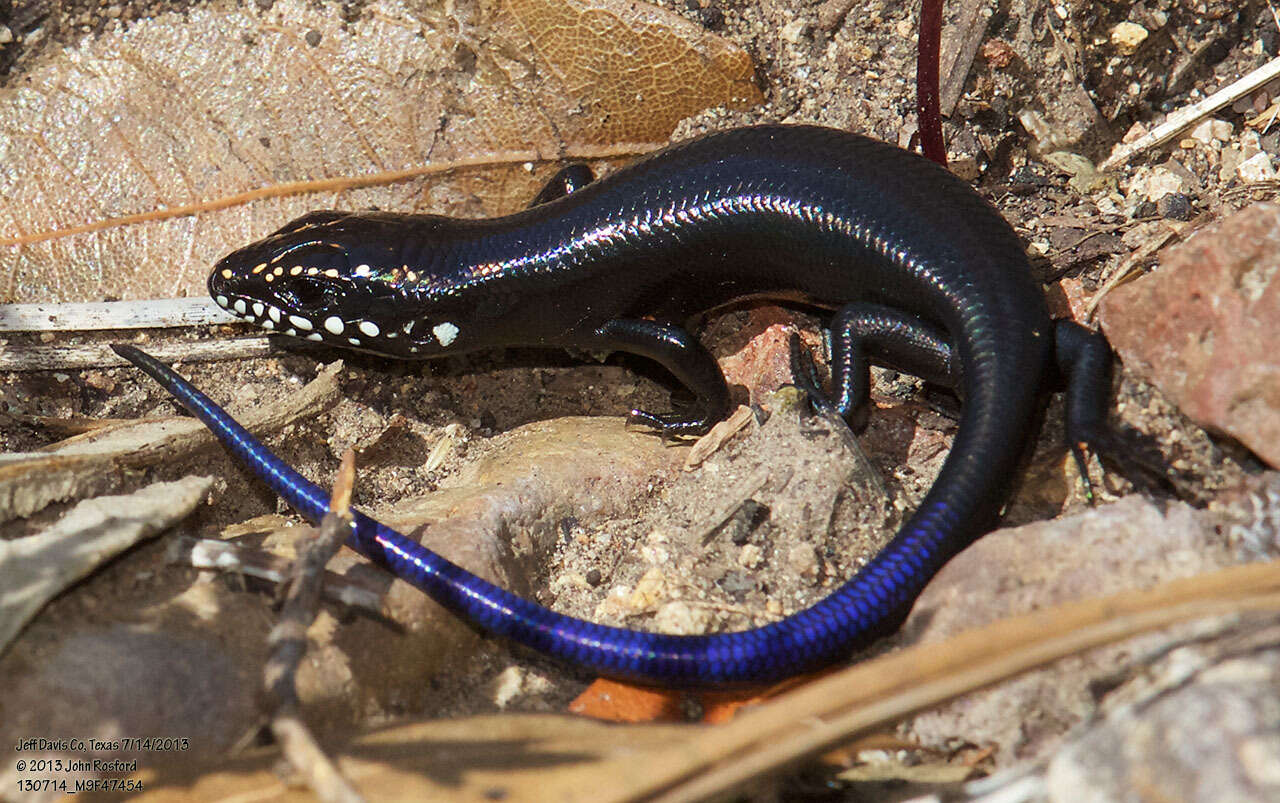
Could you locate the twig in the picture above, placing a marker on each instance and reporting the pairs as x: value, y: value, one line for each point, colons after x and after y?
x: 225, y: 556
x: 1189, y: 115
x: 154, y: 313
x: 290, y: 188
x: 288, y: 643
x: 25, y: 357
x: 970, y: 28
x: 1128, y: 269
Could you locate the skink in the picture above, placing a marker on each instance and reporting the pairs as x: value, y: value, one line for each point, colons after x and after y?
x: 922, y: 274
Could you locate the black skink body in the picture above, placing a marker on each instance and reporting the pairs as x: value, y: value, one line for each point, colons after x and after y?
x: 935, y: 276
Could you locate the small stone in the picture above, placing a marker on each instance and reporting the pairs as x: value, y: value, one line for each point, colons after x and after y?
x: 312, y: 38
x: 1202, y: 133
x: 1175, y: 206
x: 1250, y: 144
x: 1135, y: 132
x: 651, y: 589
x: 6, y: 35
x: 506, y: 686
x: 1256, y: 168
x: 1127, y: 37
x: 593, y: 577
x: 1231, y: 159
x: 1156, y: 183
x: 795, y: 30
x: 802, y: 561
x: 750, y: 557
x: 682, y: 619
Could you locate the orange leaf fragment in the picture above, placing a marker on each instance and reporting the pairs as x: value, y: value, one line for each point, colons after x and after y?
x: 621, y: 702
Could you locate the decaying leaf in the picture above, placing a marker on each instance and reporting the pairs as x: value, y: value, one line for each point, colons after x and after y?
x: 35, y: 569
x: 91, y: 463
x: 234, y: 117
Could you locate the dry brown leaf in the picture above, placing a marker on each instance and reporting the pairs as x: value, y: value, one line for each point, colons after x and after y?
x: 507, y: 757
x: 200, y: 112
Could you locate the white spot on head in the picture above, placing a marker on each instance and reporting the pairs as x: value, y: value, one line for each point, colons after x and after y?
x: 222, y: 301
x: 369, y: 328
x: 334, y: 324
x: 355, y: 341
x: 291, y: 331
x: 274, y: 312
x: 257, y: 309
x: 314, y: 336
x: 266, y: 324
x: 332, y: 273
x: 312, y: 271
x: 362, y: 270
x: 226, y: 273
x: 240, y: 307
x: 295, y: 270
x: 300, y: 322
x: 445, y: 332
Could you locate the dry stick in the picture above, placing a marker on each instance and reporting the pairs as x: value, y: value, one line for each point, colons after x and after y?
x: 1189, y: 115
x: 153, y: 313
x: 1128, y: 269
x: 967, y: 35
x: 27, y: 357
x: 335, y: 185
x: 288, y: 643
x: 836, y: 708
x: 224, y: 556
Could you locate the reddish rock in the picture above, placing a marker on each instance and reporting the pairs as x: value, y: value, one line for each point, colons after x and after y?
x: 761, y: 355
x: 1203, y: 328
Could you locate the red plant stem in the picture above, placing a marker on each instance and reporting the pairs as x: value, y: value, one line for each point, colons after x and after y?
x: 927, y: 115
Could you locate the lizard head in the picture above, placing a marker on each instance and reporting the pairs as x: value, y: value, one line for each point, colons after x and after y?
x: 341, y: 278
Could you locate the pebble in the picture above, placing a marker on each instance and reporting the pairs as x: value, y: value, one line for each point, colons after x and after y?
x: 682, y: 619
x: 795, y: 30
x: 1128, y: 37
x: 1211, y: 131
x: 649, y: 590
x: 1175, y: 206
x: 750, y: 557
x: 1155, y: 183
x: 1256, y: 168
x: 6, y: 35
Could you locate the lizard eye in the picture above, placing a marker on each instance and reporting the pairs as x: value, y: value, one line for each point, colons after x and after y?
x: 307, y: 294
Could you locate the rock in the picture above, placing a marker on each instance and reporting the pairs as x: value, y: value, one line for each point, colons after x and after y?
x: 1203, y: 327
x: 1175, y: 206
x: 1204, y: 727
x: 1256, y: 168
x: 1211, y: 131
x: 1155, y: 183
x: 1127, y: 37
x: 1232, y: 158
x: 1127, y: 545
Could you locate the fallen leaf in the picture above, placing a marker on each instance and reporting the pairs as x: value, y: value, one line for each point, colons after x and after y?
x: 134, y: 160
